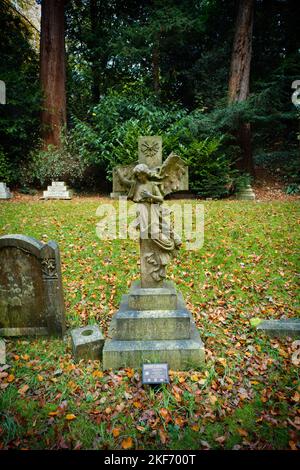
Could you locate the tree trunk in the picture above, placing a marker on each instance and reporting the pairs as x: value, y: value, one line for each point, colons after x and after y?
x: 155, y: 68
x: 95, y: 87
x: 240, y: 76
x: 52, y: 71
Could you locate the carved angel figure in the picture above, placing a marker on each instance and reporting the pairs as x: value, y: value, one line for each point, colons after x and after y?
x: 157, y: 237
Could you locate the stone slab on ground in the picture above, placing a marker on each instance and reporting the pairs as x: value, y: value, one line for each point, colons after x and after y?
x: 87, y: 342
x: 289, y: 327
x: 4, y: 191
x: 57, y: 190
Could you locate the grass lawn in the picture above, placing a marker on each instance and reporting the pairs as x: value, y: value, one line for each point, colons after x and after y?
x: 247, y: 395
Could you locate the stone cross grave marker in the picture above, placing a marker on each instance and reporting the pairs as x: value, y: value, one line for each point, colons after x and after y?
x: 149, y: 153
x: 31, y: 295
x: 153, y: 324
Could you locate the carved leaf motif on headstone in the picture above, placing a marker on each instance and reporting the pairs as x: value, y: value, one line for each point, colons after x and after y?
x: 49, y: 267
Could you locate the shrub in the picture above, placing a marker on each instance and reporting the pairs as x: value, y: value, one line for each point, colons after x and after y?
x: 6, y: 173
x: 110, y: 135
x: 55, y: 164
x: 292, y: 188
x: 211, y: 173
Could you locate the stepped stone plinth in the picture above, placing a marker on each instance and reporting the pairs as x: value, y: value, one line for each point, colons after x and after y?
x: 246, y: 194
x: 57, y: 190
x: 139, y: 335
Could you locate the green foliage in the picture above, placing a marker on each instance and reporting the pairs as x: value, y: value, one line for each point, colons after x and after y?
x: 180, y: 49
x: 19, y: 119
x: 6, y: 171
x: 293, y: 188
x: 114, y: 44
x: 110, y: 138
x: 55, y: 164
x: 211, y: 173
x: 242, y: 181
x: 248, y: 268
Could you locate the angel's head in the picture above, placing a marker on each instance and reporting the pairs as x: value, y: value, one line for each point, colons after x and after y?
x: 142, y: 172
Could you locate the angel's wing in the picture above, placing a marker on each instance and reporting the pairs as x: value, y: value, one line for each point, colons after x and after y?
x: 174, y: 174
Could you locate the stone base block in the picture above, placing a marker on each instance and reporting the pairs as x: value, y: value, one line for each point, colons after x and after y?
x: 87, y: 342
x: 24, y: 331
x: 152, y: 324
x: 179, y: 354
x: 162, y: 298
x: 48, y: 195
x: 290, y: 327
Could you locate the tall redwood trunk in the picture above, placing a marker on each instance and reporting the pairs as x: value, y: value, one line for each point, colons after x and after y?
x: 95, y: 87
x: 155, y: 67
x: 52, y: 71
x: 240, y: 76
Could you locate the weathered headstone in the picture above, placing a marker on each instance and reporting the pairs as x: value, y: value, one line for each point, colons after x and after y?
x: 57, y: 190
x: 31, y: 295
x: 153, y: 324
x: 87, y: 342
x: 4, y: 191
x: 150, y: 153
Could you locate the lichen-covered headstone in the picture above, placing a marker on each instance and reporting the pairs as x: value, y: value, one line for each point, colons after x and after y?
x: 31, y: 295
